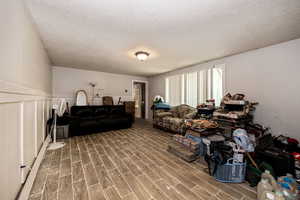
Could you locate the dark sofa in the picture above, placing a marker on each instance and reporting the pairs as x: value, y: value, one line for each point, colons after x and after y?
x: 94, y: 119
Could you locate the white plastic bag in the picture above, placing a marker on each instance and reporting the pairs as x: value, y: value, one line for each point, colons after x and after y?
x: 241, y: 138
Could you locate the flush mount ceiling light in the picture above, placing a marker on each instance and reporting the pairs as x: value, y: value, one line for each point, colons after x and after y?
x: 142, y: 55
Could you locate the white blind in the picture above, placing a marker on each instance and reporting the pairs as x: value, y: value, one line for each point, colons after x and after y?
x: 174, y: 88
x: 191, y: 89
x: 196, y: 87
x: 202, y: 86
x: 218, y: 83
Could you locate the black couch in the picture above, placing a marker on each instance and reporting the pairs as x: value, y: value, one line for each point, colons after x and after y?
x: 94, y: 119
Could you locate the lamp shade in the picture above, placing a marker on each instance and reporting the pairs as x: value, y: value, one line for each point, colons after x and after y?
x: 142, y: 55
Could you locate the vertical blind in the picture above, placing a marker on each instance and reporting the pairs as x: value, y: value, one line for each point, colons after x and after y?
x: 202, y: 86
x: 191, y: 89
x: 217, y: 83
x: 174, y: 90
x: 196, y: 87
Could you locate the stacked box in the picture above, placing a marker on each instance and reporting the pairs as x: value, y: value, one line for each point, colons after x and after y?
x: 181, y: 151
x: 194, y: 146
x: 187, y: 142
x: 178, y: 138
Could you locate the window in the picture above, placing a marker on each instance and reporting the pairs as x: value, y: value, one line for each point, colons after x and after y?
x: 191, y: 89
x: 202, y: 87
x: 174, y: 90
x: 196, y: 87
x: 217, y: 83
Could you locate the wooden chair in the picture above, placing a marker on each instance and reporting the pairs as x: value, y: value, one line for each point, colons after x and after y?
x: 107, y: 100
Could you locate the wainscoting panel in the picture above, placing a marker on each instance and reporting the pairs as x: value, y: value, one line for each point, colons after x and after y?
x: 29, y: 140
x: 23, y: 116
x: 10, y: 150
x: 91, y: 101
x: 40, y: 124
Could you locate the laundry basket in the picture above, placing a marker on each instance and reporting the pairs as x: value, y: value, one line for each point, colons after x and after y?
x: 231, y: 172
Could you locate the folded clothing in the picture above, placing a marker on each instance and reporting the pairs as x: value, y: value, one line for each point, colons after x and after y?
x: 162, y: 106
x: 230, y: 115
x: 203, y: 124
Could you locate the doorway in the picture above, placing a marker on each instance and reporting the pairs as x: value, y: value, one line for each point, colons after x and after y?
x: 139, y: 97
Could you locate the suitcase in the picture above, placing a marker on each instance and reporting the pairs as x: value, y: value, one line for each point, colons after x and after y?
x: 281, y: 162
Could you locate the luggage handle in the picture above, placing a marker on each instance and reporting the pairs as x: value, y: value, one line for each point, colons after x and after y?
x: 233, y: 161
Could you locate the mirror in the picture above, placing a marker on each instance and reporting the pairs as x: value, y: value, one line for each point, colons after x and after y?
x: 81, y: 98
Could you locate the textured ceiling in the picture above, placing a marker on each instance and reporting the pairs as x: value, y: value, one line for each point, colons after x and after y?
x: 104, y: 34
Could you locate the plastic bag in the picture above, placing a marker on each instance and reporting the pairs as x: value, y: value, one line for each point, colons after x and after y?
x: 241, y: 138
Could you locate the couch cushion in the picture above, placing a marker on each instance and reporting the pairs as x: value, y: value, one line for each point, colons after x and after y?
x: 117, y: 111
x: 114, y: 122
x: 84, y: 112
x: 164, y: 114
x: 174, y: 120
x: 88, y: 123
x: 190, y: 115
x: 173, y: 123
x: 174, y: 111
x: 183, y: 110
x: 102, y: 111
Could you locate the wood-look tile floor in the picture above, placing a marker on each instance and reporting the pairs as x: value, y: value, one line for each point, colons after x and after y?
x: 130, y: 164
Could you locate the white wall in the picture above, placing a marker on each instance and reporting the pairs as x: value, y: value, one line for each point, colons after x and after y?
x: 22, y: 55
x: 25, y: 87
x: 269, y: 75
x: 66, y: 81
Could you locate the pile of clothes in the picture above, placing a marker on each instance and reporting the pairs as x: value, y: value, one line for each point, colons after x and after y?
x: 284, y: 188
x: 234, y: 107
x: 202, y: 124
x: 202, y: 127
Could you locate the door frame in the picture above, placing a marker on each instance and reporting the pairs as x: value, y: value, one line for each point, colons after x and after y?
x: 146, y: 94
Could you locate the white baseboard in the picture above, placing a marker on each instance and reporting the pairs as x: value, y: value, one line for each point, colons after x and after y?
x: 25, y: 193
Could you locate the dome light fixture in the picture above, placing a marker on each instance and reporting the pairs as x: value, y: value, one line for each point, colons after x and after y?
x: 142, y: 55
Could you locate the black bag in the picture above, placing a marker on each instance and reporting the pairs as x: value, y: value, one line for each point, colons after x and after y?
x: 219, y: 156
x: 281, y: 162
x: 287, y: 146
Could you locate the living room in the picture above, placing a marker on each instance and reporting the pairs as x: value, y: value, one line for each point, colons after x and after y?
x: 98, y: 99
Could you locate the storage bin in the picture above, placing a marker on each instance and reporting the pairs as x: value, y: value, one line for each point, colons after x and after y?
x: 231, y: 172
x: 205, y: 143
x: 202, y: 147
x: 62, y: 132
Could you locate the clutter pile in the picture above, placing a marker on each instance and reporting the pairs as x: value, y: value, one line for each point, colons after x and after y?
x: 184, y: 147
x: 226, y: 160
x: 202, y: 124
x: 189, y: 143
x: 206, y: 110
x: 235, y: 112
x: 284, y: 188
x: 237, y: 150
x: 202, y: 127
